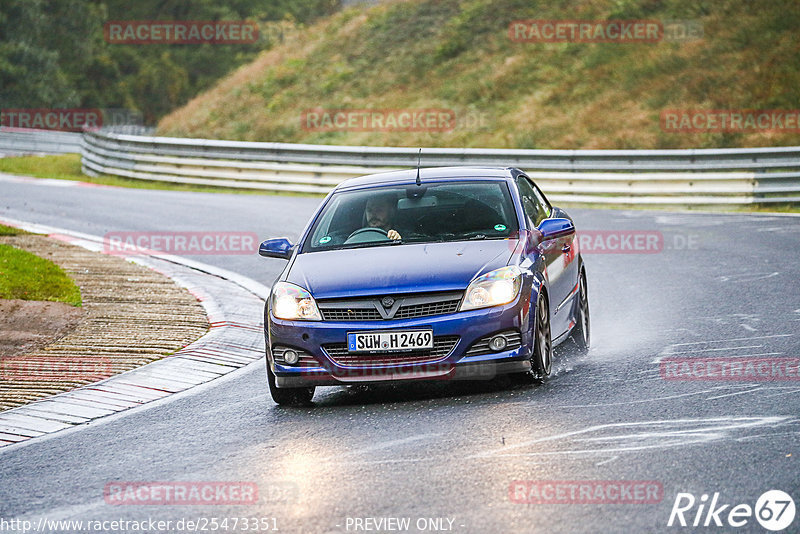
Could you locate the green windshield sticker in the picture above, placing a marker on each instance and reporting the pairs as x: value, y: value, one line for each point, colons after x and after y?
x: 500, y: 227
x: 325, y: 239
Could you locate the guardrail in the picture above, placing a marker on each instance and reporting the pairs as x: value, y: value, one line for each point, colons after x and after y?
x: 17, y: 141
x: 679, y: 177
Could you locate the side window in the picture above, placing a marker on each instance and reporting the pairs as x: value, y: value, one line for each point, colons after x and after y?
x: 542, y: 201
x: 534, y: 208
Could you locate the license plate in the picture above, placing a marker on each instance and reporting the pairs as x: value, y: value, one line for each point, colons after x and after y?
x: 401, y: 340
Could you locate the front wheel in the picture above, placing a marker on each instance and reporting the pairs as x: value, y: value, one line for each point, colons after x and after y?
x: 581, y: 334
x: 288, y: 396
x: 542, y: 357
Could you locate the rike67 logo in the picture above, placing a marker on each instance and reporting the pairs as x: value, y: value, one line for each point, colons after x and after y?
x: 774, y: 510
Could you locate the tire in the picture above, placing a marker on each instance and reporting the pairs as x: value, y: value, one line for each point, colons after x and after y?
x: 581, y: 334
x: 289, y: 396
x: 542, y: 356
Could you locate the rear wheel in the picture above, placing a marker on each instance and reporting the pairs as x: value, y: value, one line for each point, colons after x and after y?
x: 288, y: 396
x: 581, y: 334
x: 542, y: 357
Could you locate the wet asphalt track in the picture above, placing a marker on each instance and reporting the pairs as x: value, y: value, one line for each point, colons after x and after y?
x: 724, y: 286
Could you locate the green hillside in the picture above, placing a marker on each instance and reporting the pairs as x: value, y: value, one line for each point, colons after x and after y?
x: 457, y: 55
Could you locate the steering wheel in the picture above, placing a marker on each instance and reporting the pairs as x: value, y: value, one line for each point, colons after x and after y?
x: 365, y: 235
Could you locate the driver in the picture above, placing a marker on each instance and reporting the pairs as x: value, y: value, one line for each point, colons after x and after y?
x: 380, y: 212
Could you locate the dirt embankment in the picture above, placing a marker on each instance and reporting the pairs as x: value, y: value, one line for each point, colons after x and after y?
x: 27, y: 325
x: 130, y: 316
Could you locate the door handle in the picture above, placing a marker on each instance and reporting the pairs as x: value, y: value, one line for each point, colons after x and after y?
x: 566, y: 248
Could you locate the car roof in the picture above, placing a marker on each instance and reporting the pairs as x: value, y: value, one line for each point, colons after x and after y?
x: 429, y: 174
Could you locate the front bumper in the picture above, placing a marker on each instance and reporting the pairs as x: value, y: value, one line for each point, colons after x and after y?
x: 471, y: 326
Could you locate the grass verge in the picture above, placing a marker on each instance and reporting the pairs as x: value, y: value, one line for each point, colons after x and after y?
x: 26, y: 276
x: 65, y: 166
x: 8, y: 230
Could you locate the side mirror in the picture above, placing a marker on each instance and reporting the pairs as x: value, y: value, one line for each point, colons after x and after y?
x: 280, y: 247
x: 555, y: 228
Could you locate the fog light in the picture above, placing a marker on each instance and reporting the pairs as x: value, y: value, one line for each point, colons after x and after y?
x: 498, y: 343
x: 291, y: 357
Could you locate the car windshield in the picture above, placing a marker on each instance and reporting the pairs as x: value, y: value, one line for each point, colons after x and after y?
x: 449, y: 211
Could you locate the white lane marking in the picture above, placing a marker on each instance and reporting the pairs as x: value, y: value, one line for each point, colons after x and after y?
x: 746, y: 277
x: 638, y: 401
x: 734, y: 394
x: 789, y: 422
x: 731, y: 339
x: 704, y: 430
x: 386, y: 445
x: 670, y: 349
x: 756, y: 354
x: 669, y: 437
x: 775, y: 435
x: 781, y: 393
x: 387, y: 461
x: 743, y: 355
x: 431, y: 458
x: 604, y: 462
x: 712, y: 350
x: 748, y: 327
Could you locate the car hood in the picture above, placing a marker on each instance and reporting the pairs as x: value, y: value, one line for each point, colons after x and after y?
x: 398, y: 268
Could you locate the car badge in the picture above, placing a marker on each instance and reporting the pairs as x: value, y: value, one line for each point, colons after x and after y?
x: 387, y: 302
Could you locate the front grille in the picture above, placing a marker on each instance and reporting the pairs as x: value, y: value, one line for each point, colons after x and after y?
x: 409, y: 306
x: 350, y: 314
x: 442, y: 347
x: 426, y: 310
x: 513, y: 337
x: 306, y: 360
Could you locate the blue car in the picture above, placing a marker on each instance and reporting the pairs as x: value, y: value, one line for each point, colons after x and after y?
x: 424, y: 274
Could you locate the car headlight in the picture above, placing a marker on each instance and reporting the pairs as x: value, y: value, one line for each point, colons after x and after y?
x: 293, y: 302
x: 494, y: 288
